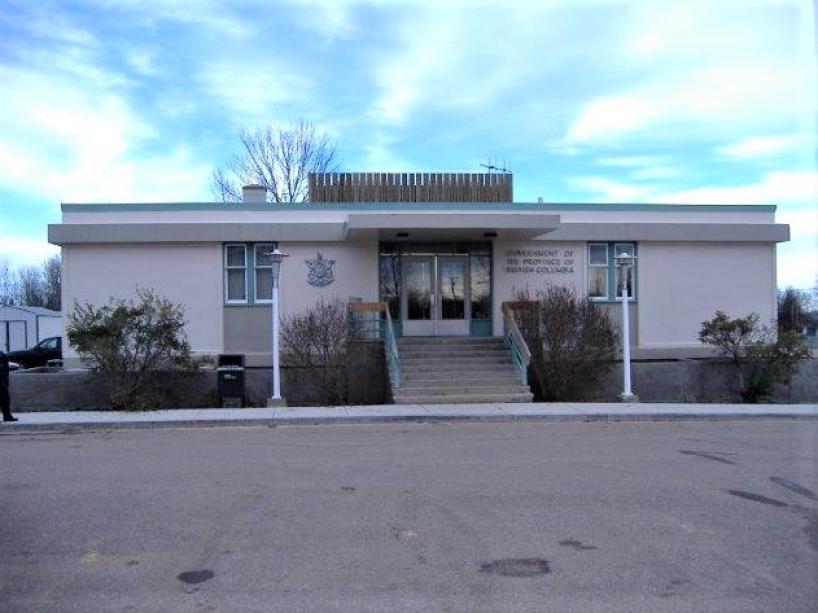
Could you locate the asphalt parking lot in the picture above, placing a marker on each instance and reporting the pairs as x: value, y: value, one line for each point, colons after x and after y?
x: 630, y: 516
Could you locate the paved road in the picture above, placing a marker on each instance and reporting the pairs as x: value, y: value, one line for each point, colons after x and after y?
x: 654, y: 517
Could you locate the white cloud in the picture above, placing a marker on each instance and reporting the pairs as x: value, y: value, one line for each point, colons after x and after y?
x: 704, y: 101
x: 778, y: 187
x: 68, y: 142
x: 25, y: 251
x: 608, y: 190
x: 213, y: 16
x: 761, y: 146
x: 253, y: 96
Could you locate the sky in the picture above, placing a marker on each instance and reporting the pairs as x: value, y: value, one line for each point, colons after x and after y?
x: 631, y: 101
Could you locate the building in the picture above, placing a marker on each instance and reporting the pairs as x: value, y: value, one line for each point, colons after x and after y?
x: 443, y: 250
x: 22, y: 327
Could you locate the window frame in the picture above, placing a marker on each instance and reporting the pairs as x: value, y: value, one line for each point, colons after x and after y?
x: 250, y: 289
x: 256, y: 268
x: 605, y: 266
x: 611, y: 274
x: 228, y: 267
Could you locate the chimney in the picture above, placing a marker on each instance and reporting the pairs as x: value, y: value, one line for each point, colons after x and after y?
x: 254, y: 193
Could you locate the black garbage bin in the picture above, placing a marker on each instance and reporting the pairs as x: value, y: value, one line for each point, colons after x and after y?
x: 230, y: 377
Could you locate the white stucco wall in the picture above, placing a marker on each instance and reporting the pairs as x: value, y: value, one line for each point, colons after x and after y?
x: 355, y: 272
x: 682, y: 284
x: 190, y: 275
x: 531, y: 265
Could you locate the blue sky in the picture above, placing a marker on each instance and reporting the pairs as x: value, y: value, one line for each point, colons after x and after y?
x: 662, y: 101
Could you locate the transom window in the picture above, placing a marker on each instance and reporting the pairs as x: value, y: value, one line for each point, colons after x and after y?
x: 248, y: 273
x: 604, y: 280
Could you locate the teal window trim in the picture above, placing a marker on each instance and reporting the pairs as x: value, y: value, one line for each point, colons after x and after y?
x: 256, y: 268
x: 612, y: 272
x: 249, y: 274
x: 225, y: 274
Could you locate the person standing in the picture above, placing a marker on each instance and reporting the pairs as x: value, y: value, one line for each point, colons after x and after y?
x: 5, y: 400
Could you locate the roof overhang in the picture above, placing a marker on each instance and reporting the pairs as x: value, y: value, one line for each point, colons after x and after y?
x: 465, y: 225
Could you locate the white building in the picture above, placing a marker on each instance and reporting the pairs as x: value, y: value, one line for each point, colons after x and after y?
x: 444, y: 267
x: 22, y: 327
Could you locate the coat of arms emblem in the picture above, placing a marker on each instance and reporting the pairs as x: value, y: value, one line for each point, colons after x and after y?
x: 319, y: 271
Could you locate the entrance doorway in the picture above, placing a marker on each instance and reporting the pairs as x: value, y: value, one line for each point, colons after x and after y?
x: 435, y: 295
x: 438, y: 290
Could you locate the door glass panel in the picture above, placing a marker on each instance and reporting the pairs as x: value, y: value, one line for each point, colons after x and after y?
x: 418, y: 284
x: 452, y: 289
x: 480, y: 287
x: 390, y: 283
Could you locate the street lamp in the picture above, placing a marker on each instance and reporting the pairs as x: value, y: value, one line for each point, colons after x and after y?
x: 624, y: 262
x: 276, y: 258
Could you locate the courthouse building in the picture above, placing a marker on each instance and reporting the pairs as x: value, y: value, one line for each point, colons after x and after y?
x: 445, y: 251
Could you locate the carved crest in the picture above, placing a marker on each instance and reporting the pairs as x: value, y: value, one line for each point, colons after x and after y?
x: 319, y: 271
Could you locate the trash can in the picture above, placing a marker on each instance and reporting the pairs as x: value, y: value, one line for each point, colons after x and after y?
x: 230, y: 377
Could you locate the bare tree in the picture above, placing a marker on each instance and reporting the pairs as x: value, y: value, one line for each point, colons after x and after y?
x: 8, y: 284
x: 31, y: 286
x: 52, y: 282
x: 573, y: 342
x: 315, y: 344
x: 280, y: 159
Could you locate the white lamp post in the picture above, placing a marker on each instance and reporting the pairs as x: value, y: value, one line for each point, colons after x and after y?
x: 624, y: 261
x: 276, y: 400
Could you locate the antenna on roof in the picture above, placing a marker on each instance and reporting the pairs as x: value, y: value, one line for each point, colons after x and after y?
x: 489, y: 166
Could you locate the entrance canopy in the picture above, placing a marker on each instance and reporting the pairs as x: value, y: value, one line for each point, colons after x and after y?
x: 449, y: 225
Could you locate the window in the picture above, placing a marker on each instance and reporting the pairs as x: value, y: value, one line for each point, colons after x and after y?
x: 604, y: 280
x: 389, y: 264
x: 598, y: 270
x: 235, y: 273
x: 248, y: 273
x: 263, y: 265
x: 480, y: 287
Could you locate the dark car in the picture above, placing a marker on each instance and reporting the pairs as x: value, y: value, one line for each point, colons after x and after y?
x: 47, y: 349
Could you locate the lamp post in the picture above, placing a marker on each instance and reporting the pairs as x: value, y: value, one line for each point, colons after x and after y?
x: 624, y: 261
x: 276, y: 258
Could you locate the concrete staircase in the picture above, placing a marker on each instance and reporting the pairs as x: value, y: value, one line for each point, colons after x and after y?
x: 457, y: 370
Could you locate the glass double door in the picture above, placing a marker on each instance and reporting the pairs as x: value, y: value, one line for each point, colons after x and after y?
x: 435, y: 297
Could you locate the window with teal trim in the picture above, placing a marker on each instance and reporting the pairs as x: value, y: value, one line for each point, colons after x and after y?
x: 604, y: 280
x: 235, y: 274
x: 248, y: 273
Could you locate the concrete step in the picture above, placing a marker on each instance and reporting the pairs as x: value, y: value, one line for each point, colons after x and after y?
x: 445, y: 352
x: 461, y: 362
x: 448, y: 371
x: 436, y: 379
x: 464, y: 398
x: 460, y: 341
x: 455, y: 389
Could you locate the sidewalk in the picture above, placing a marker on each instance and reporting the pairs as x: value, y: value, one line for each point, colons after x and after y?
x: 185, y: 418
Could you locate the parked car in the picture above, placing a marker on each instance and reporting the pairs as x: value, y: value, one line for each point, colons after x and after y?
x: 47, y: 349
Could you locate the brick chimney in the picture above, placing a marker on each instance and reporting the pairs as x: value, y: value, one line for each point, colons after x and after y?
x: 254, y: 193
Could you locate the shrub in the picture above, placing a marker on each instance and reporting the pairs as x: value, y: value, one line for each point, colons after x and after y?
x: 761, y: 356
x: 314, y: 342
x: 127, y: 342
x: 573, y: 342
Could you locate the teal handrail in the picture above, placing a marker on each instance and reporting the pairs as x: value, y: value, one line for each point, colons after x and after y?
x: 520, y: 353
x: 366, y: 322
x: 391, y: 347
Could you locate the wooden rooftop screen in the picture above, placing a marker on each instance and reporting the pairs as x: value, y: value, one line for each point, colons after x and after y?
x: 410, y: 187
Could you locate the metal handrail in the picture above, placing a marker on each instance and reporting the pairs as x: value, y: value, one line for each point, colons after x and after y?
x: 520, y: 353
x: 377, y: 327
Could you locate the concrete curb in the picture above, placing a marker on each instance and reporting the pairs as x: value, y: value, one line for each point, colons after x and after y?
x: 68, y: 427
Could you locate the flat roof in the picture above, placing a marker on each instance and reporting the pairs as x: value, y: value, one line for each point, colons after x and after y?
x: 93, y: 207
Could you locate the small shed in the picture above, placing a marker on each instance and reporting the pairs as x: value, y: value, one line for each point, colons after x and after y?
x: 22, y: 327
